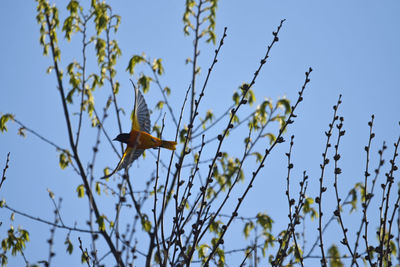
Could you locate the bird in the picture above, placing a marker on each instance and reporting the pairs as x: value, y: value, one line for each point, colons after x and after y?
x: 139, y: 138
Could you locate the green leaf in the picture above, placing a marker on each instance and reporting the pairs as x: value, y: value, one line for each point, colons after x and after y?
x: 100, y: 222
x: 308, y: 209
x: 4, y: 245
x: 284, y: 104
x: 80, y: 190
x: 73, y: 6
x: 280, y: 119
x: 235, y: 119
x: 214, y: 226
x: 144, y: 82
x: 334, y: 257
x: 264, y: 221
x: 51, y: 194
x: 90, y: 103
x: 101, y: 16
x: 57, y: 54
x: 135, y: 59
x: 211, y: 37
x: 266, y: 103
x: 49, y: 69
x: 258, y: 155
x: 221, y: 255
x: 393, y: 247
x: 360, y: 187
x: 251, y: 97
x: 202, y: 250
x: 4, y: 259
x: 271, y: 137
x: 182, y: 134
x: 247, y: 229
x: 84, y: 257
x: 146, y: 224
x: 70, y: 246
x: 100, y: 50
x: 65, y: 159
x: 70, y: 95
x: 98, y: 190
x: 116, y: 87
x: 21, y: 132
x: 167, y: 90
x: 354, y: 198
x: 157, y: 66
x: 106, y: 171
x: 209, y: 115
x: 160, y: 104
x: 3, y: 121
x: 157, y: 130
x: 236, y: 98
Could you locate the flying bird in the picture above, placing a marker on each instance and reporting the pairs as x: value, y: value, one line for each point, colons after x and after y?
x: 139, y: 137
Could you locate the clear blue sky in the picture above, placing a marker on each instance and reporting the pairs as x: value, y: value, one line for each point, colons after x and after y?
x: 353, y: 47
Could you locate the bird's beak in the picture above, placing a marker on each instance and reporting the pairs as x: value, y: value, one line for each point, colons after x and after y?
x: 115, y: 139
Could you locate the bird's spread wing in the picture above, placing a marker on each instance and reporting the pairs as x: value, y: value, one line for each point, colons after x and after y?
x: 140, y: 115
x: 128, y: 157
x: 140, y: 122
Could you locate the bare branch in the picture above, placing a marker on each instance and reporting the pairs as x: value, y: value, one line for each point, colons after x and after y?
x: 3, y: 177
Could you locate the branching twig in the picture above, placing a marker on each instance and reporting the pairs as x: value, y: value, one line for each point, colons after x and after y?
x: 294, y: 219
x: 365, y: 207
x: 154, y: 210
x: 85, y: 253
x: 155, y: 75
x: 52, y: 232
x: 367, y: 196
x: 110, y: 78
x: 84, y: 45
x: 53, y: 46
x: 221, y: 137
x: 322, y: 189
x: 384, y: 236
x: 278, y: 140
x: 47, y: 141
x: 337, y: 212
x: 50, y: 223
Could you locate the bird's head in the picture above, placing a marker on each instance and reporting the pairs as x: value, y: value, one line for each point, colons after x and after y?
x: 123, y: 138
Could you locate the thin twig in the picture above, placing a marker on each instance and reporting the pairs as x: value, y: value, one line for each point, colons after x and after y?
x: 337, y: 212
x: 155, y: 75
x: 322, y: 189
x: 293, y: 219
x: 111, y: 80
x: 85, y: 253
x: 278, y: 140
x: 367, y: 196
x: 52, y: 232
x: 53, y: 45
x: 84, y: 45
x: 155, y: 200
x: 50, y: 223
x: 3, y: 177
x: 383, y: 235
x: 377, y: 171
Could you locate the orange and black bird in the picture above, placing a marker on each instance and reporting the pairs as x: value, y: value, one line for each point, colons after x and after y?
x: 139, y: 138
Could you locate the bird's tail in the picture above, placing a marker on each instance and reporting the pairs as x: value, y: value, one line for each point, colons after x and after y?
x: 171, y: 145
